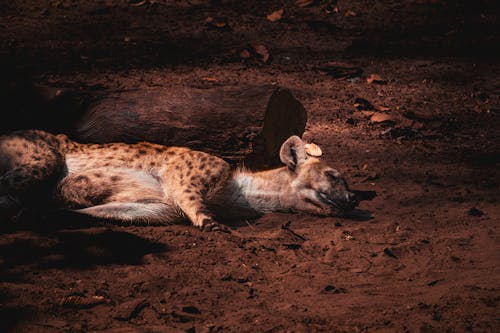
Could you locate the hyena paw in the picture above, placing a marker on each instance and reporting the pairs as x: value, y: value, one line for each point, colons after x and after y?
x: 208, y: 224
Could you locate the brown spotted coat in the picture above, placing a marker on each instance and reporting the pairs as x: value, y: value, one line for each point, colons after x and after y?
x: 150, y: 183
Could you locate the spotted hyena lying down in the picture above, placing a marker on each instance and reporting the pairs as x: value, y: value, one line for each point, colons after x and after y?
x: 153, y: 184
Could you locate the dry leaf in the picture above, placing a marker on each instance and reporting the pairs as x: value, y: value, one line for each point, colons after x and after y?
x: 245, y: 54
x: 217, y: 23
x: 138, y: 3
x: 76, y: 301
x: 350, y: 13
x: 304, y: 3
x: 381, y: 108
x: 378, y: 117
x: 375, y: 78
x: 262, y: 51
x: 209, y: 79
x: 276, y: 15
x: 313, y: 150
x: 370, y: 176
x: 367, y: 113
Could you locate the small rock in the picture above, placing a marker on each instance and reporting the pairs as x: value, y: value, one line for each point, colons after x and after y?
x: 191, y: 309
x: 434, y: 282
x: 475, y: 212
x: 389, y: 253
x: 362, y: 104
x: 333, y: 290
x: 130, y: 309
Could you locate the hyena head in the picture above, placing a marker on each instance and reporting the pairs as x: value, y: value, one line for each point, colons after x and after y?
x: 316, y: 188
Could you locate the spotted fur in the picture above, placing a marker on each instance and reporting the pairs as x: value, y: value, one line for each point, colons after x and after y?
x: 154, y: 184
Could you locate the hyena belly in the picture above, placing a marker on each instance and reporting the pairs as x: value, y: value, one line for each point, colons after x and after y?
x: 121, y: 194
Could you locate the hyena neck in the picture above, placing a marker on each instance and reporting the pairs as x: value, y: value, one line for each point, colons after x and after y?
x: 250, y: 194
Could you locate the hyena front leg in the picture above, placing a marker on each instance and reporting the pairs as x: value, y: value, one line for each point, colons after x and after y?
x: 192, y: 179
x: 193, y: 206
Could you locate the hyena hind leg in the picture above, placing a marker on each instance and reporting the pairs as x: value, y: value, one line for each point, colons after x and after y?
x: 30, y: 161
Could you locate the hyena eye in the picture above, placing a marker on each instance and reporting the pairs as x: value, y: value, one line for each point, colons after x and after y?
x: 333, y: 175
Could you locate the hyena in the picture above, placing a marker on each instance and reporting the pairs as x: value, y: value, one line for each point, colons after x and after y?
x: 147, y: 183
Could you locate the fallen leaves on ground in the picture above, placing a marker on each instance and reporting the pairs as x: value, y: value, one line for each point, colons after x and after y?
x: 262, y: 51
x: 313, y: 149
x: 257, y: 51
x: 379, y: 114
x: 369, y: 177
x: 209, y: 79
x: 217, y: 23
x: 138, y: 3
x: 375, y: 78
x: 276, y: 15
x: 81, y: 302
x: 378, y: 117
x: 245, y: 54
x: 304, y: 3
x: 364, y: 105
x: 381, y: 108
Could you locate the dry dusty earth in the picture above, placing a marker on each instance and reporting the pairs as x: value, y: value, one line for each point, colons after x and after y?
x: 424, y: 136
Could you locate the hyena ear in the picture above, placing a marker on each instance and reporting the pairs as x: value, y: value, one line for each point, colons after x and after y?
x: 292, y: 152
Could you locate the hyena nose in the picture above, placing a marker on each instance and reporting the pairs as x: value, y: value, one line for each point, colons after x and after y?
x: 351, y: 198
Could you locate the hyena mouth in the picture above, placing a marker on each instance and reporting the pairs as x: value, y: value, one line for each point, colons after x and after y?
x: 341, y: 205
x: 325, y: 198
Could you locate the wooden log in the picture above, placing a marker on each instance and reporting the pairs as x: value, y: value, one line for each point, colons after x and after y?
x: 242, y: 125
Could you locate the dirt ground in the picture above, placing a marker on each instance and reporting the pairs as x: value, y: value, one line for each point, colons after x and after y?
x: 423, y: 134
